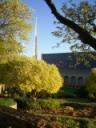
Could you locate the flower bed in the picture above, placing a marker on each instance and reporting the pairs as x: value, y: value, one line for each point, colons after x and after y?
x: 57, y: 107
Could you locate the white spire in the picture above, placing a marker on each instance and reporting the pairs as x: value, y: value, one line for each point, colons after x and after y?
x: 36, y: 27
x: 35, y: 40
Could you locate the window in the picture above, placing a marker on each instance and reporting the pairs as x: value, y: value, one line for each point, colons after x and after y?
x: 80, y: 80
x: 66, y: 80
x: 73, y: 80
x: 70, y: 62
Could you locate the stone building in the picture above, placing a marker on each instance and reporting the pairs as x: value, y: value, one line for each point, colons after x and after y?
x: 74, y: 74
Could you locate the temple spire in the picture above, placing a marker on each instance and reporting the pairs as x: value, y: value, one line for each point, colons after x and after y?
x: 35, y: 40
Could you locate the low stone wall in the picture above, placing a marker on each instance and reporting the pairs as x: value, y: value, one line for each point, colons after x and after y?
x: 14, y: 106
x: 2, y: 88
x: 12, y: 118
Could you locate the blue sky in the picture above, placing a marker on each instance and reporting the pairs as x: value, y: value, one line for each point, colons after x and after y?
x: 45, y: 26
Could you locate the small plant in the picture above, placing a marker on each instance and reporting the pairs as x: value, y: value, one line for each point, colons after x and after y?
x: 70, y: 123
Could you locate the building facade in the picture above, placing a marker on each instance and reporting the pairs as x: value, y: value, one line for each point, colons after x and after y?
x: 74, y: 74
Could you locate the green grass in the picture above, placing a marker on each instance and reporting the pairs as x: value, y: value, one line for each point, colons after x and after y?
x: 6, y: 101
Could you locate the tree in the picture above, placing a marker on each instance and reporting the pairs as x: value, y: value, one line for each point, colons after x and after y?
x: 78, y: 19
x: 29, y: 74
x: 14, y: 26
x: 91, y: 83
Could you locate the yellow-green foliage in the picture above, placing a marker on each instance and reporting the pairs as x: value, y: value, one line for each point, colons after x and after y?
x: 14, y: 26
x: 30, y: 74
x: 14, y: 15
x: 91, y: 83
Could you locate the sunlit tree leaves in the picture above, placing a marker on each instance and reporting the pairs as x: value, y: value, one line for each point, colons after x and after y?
x: 30, y: 74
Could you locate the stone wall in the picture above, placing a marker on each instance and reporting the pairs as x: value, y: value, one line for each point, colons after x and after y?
x: 14, y: 106
x: 2, y: 88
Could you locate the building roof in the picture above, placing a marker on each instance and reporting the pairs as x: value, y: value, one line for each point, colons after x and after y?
x: 68, y: 61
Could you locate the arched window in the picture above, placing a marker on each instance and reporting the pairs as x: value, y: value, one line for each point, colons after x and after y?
x: 80, y: 81
x: 73, y: 81
x: 66, y: 80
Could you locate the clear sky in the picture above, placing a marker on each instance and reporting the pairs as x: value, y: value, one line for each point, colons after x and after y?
x: 45, y: 26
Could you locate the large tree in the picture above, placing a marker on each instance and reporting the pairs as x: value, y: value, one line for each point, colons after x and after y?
x: 14, y: 26
x: 79, y: 19
x: 29, y: 74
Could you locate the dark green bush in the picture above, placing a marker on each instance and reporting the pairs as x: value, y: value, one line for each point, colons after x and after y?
x: 87, y: 123
x: 21, y: 103
x: 28, y: 103
x: 59, y: 94
x: 66, y: 93
x: 82, y: 93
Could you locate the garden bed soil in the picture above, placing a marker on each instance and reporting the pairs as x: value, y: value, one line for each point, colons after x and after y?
x: 89, y: 112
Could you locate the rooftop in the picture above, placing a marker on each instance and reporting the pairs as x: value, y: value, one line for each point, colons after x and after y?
x: 68, y: 60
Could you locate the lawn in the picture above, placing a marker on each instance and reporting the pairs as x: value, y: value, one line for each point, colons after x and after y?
x: 6, y: 101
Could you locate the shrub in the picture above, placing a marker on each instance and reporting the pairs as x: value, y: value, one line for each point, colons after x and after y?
x: 91, y: 83
x: 82, y: 92
x: 49, y: 103
x: 87, y: 123
x: 26, y: 103
x: 66, y: 93
x: 21, y: 103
